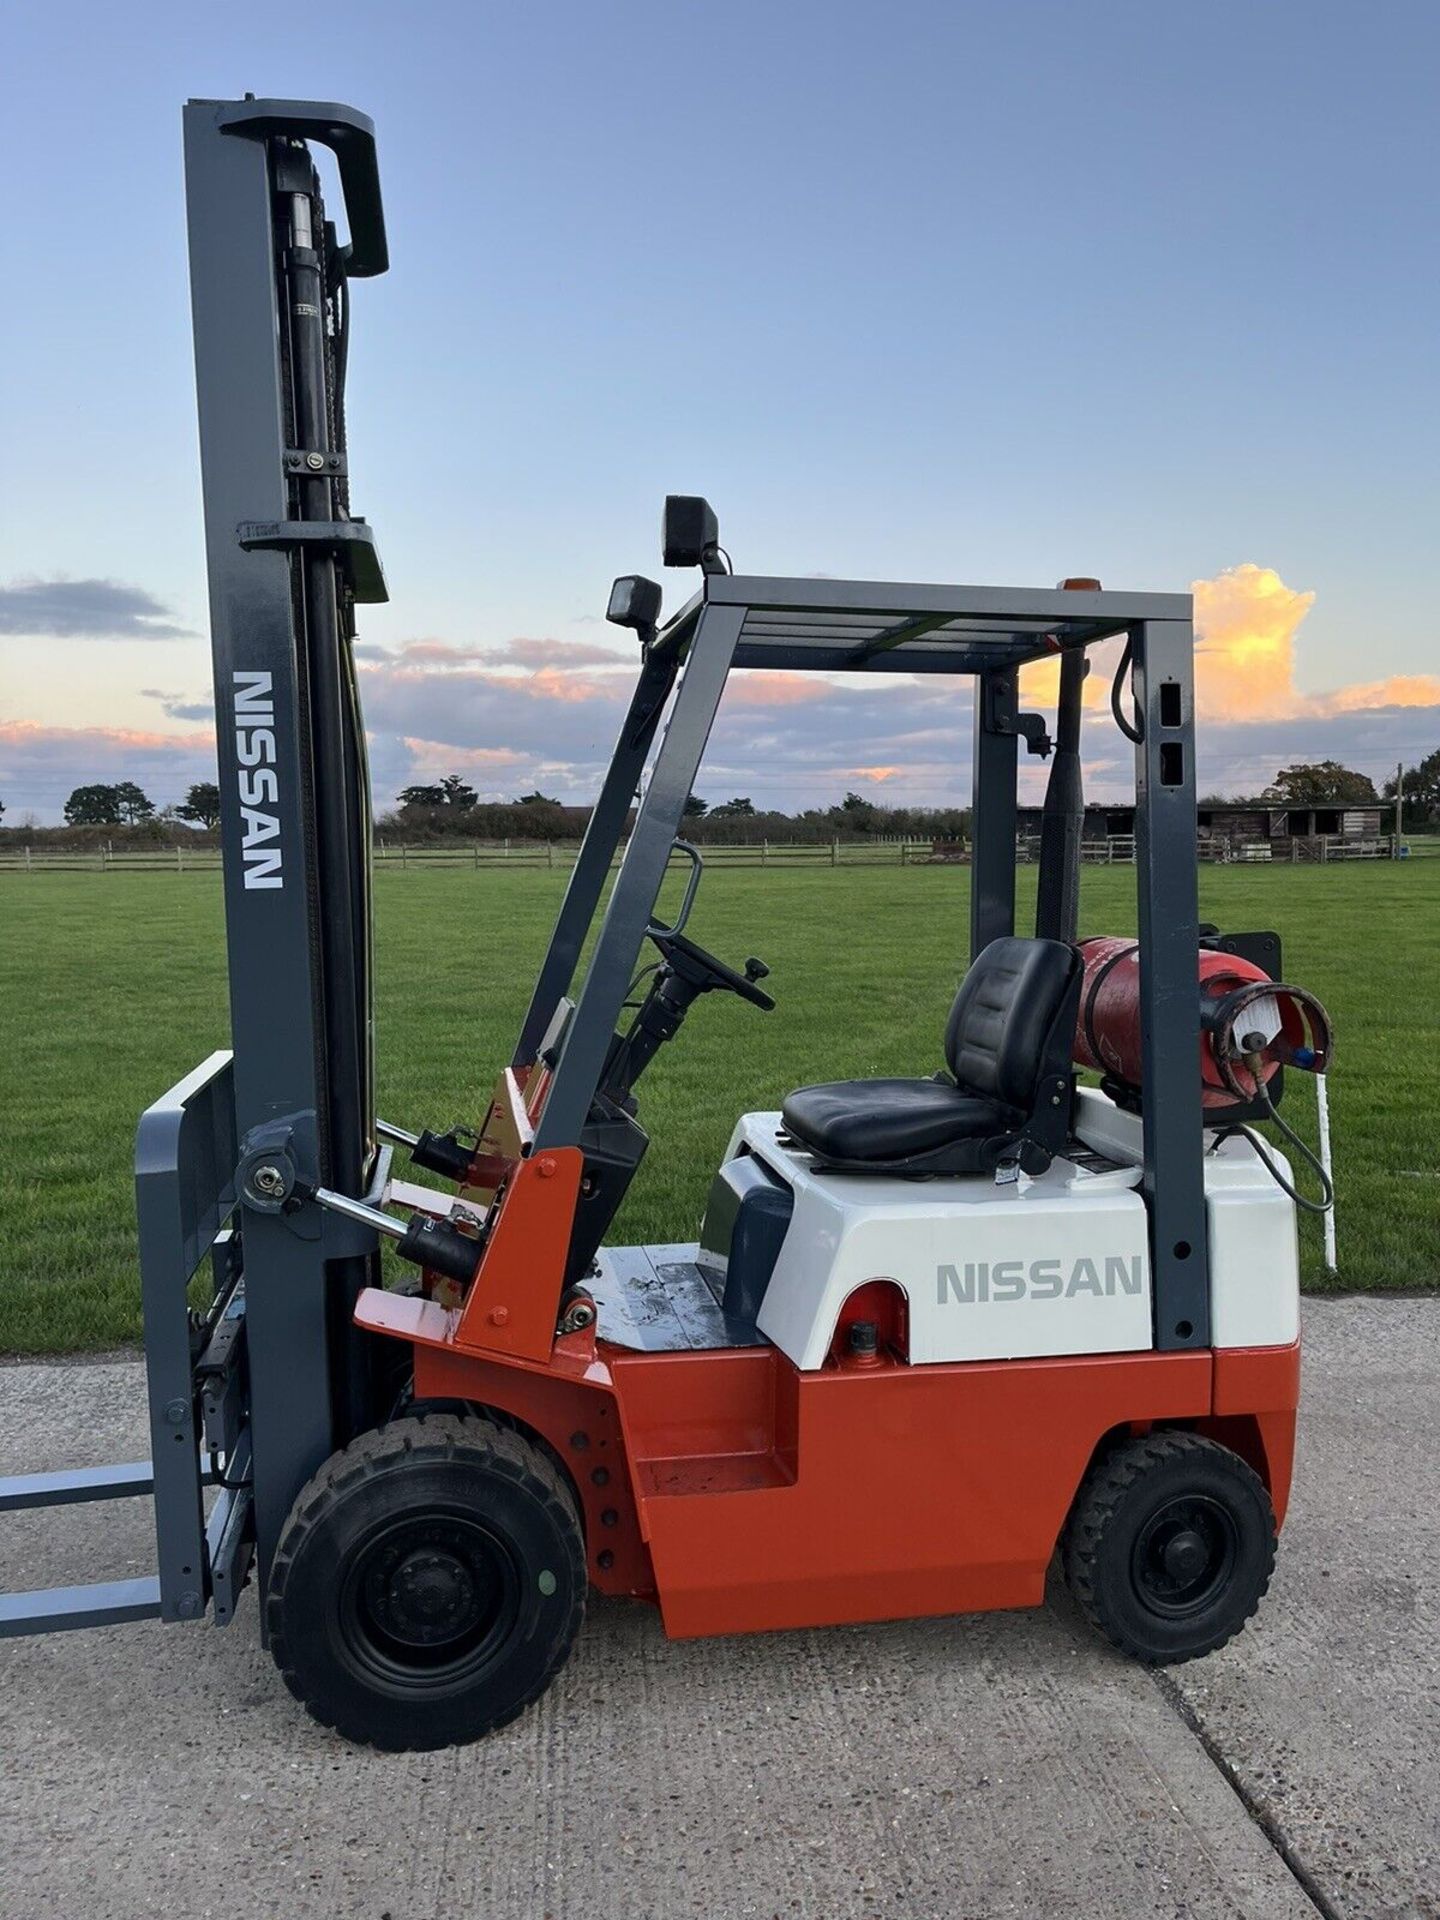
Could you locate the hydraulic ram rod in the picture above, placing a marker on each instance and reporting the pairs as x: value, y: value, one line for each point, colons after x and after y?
x: 449, y: 1247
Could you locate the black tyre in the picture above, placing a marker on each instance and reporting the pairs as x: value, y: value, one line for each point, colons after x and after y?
x: 1170, y: 1546
x: 429, y: 1583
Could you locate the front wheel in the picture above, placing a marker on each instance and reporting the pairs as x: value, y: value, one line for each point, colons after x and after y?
x: 1170, y: 1546
x: 429, y: 1583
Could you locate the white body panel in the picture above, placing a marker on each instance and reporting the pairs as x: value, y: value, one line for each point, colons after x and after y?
x: 1049, y: 1266
x: 1254, y: 1246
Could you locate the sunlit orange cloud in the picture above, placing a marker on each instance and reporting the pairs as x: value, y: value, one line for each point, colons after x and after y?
x: 546, y: 683
x: 1040, y: 681
x: 556, y: 683
x: 438, y: 752
x: 1247, y: 621
x: 29, y: 733
x: 778, y: 689
x: 1400, y: 690
x: 512, y: 653
x: 873, y: 773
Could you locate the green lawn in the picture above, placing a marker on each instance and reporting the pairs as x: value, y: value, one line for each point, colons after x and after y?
x: 112, y: 986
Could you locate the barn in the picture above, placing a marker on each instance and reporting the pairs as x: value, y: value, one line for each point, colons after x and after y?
x: 1240, y: 830
x: 1257, y: 832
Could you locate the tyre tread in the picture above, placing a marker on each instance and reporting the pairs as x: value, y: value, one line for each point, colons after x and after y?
x: 1109, y: 1483
x: 418, y: 1438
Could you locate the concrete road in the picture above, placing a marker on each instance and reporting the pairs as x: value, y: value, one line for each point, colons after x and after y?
x: 996, y: 1766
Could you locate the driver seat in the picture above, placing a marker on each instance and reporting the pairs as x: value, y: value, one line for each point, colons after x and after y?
x: 1007, y: 1098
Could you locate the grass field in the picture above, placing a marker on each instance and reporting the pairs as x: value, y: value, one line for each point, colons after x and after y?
x: 111, y: 987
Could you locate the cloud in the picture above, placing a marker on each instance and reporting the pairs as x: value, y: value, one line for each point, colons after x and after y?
x: 542, y: 712
x: 532, y: 654
x: 1247, y: 623
x: 1400, y: 690
x: 778, y: 689
x: 430, y: 758
x: 176, y: 706
x: 85, y: 610
x: 1247, y: 633
x: 1246, y: 620
x: 40, y: 766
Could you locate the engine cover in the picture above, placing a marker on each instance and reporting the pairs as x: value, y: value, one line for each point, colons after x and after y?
x: 1054, y: 1265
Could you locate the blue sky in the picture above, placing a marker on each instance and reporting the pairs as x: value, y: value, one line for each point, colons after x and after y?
x: 971, y: 291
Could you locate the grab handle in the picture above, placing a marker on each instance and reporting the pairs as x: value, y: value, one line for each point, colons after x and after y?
x: 350, y: 136
x: 696, y: 859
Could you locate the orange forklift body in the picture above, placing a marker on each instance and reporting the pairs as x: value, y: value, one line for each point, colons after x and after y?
x: 741, y: 1494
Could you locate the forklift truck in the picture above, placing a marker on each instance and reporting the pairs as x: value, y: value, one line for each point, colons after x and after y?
x: 930, y: 1330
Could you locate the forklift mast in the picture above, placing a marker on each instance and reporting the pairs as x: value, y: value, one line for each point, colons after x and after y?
x: 288, y: 562
x: 252, y: 1390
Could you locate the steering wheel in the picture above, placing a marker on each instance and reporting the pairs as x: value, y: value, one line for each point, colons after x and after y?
x: 705, y: 973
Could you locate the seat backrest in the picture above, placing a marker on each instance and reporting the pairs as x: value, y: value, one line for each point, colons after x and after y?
x: 1001, y: 1029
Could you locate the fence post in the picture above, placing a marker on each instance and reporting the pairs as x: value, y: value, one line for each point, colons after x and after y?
x: 904, y: 853
x: 27, y: 860
x: 764, y: 852
x: 179, y: 858
x: 404, y: 856
x: 550, y: 854
x: 835, y: 853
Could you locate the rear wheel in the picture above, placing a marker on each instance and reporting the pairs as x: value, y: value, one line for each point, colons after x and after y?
x: 429, y: 1583
x: 1170, y: 1546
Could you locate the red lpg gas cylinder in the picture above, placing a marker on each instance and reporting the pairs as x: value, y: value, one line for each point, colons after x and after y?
x: 1107, y: 1032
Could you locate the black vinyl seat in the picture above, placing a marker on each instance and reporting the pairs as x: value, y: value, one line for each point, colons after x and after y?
x: 1008, y: 1045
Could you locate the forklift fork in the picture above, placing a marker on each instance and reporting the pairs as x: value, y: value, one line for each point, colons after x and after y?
x: 185, y: 1156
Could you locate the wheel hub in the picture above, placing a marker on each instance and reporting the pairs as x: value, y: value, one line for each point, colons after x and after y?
x: 428, y: 1597
x: 428, y: 1590
x: 1184, y: 1555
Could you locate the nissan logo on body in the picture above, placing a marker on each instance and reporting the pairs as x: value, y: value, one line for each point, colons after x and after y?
x: 262, y: 855
x: 979, y: 1280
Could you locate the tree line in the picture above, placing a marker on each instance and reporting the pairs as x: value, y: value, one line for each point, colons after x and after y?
x: 1321, y: 783
x: 452, y: 809
x: 125, y: 805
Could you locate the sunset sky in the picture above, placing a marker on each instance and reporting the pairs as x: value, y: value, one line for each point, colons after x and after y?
x: 991, y: 292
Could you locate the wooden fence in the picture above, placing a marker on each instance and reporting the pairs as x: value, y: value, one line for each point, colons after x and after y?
x: 476, y: 856
x: 1118, y: 850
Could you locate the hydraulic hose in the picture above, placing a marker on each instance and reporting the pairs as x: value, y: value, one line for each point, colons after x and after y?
x: 1261, y: 1146
x: 1131, y: 729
